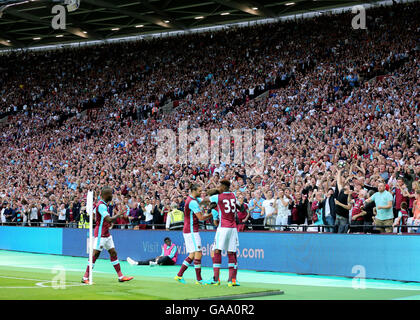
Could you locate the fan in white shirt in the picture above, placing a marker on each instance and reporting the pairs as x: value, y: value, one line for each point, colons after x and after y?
x: 33, y: 214
x: 62, y: 213
x: 268, y: 207
x: 148, y: 211
x: 3, y: 217
x: 283, y: 212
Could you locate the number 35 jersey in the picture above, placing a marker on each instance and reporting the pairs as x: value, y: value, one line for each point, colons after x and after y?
x: 226, y: 206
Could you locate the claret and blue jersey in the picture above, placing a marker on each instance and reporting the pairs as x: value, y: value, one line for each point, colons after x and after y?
x: 101, y: 224
x: 190, y: 219
x: 226, y: 207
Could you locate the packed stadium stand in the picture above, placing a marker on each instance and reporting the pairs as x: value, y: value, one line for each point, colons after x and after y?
x: 339, y: 109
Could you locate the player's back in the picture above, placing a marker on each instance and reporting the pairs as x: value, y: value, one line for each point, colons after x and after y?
x: 227, y: 209
x: 190, y: 219
x: 102, y: 227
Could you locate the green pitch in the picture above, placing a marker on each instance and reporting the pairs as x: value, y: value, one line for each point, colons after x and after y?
x: 40, y: 276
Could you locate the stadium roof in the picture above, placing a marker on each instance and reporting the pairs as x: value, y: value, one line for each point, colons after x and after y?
x: 27, y: 23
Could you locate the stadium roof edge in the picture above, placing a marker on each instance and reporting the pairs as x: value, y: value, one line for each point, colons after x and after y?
x: 305, y: 15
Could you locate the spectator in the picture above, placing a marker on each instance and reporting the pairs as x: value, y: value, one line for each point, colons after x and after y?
x: 316, y: 208
x: 242, y: 214
x: 124, y: 207
x: 299, y: 208
x: 402, y: 219
x: 18, y: 214
x: 157, y: 213
x: 2, y: 216
x: 268, y: 210
x: 368, y: 217
x: 282, y: 206
x: 148, y: 208
x: 357, y: 212
x: 342, y: 195
x: 33, y: 216
x: 411, y: 195
x: 70, y: 218
x: 328, y: 210
x: 134, y: 215
x: 255, y: 209
x: 62, y: 216
x: 76, y: 211
x: 8, y: 213
x: 416, y: 210
x: 385, y: 216
x: 401, y: 195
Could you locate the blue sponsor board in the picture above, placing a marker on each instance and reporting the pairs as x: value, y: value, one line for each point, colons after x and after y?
x: 75, y: 242
x: 378, y: 256
x: 31, y: 239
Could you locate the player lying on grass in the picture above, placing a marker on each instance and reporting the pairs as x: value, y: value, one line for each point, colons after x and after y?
x: 168, y: 256
x: 103, y: 239
x: 226, y: 237
x: 192, y: 214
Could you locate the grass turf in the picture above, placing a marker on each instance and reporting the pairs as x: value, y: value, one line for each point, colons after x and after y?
x: 26, y: 276
x: 21, y: 283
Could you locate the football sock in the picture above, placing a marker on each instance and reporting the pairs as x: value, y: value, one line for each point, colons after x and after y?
x: 197, y: 266
x: 117, y: 267
x: 184, y: 266
x: 235, y: 272
x: 217, y: 261
x: 231, y: 265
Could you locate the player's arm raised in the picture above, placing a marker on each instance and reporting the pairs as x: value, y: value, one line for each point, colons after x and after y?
x: 202, y: 216
x: 195, y: 208
x: 103, y: 210
x: 210, y: 192
x: 212, y: 201
x: 113, y: 218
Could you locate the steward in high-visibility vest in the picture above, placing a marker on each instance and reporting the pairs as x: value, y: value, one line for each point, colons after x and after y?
x: 84, y: 221
x: 175, y: 218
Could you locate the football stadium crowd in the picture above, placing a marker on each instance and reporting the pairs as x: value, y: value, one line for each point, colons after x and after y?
x: 340, y: 116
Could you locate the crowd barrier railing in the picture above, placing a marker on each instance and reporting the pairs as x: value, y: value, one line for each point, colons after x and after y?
x: 321, y: 228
